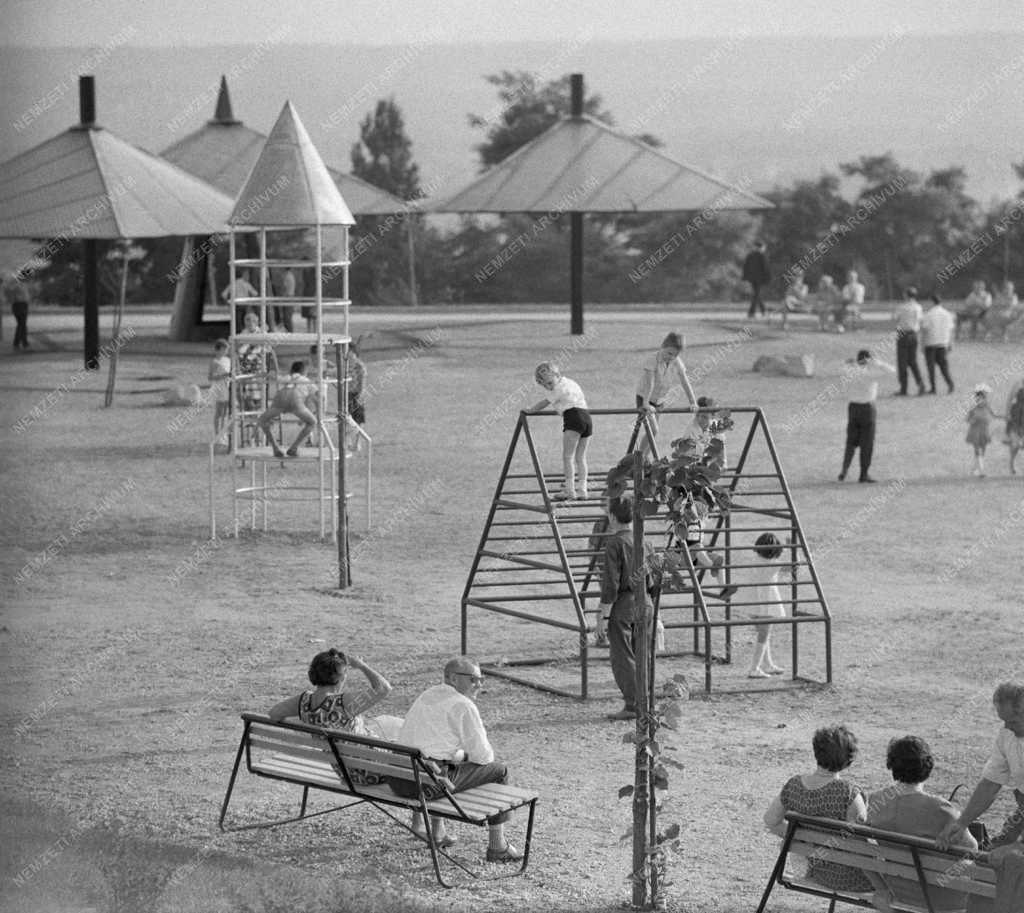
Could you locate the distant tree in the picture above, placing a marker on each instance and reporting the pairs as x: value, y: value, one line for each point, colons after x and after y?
x: 528, y: 109
x: 803, y: 218
x: 909, y: 228
x: 383, y: 254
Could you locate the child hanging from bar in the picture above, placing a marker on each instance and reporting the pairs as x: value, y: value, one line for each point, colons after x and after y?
x: 708, y: 444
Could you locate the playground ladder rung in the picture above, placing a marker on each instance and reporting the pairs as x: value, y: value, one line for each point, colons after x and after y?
x: 505, y: 610
x: 502, y: 504
x: 536, y: 564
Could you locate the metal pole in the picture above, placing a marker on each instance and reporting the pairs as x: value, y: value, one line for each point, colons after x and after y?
x: 576, y: 229
x: 341, y: 369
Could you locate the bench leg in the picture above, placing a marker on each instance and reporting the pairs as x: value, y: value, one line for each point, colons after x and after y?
x: 780, y: 867
x: 231, y: 782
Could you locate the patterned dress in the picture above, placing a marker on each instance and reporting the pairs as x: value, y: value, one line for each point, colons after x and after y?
x: 331, y: 714
x: 828, y: 801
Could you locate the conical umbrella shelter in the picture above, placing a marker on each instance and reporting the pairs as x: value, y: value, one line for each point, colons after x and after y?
x: 223, y: 152
x: 581, y: 165
x: 87, y: 184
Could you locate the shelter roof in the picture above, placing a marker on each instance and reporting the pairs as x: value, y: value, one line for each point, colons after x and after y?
x: 88, y: 183
x: 582, y: 165
x: 223, y: 152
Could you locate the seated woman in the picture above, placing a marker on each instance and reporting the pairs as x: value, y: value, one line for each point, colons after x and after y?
x: 828, y: 302
x: 327, y: 704
x: 794, y: 301
x: 824, y: 794
x: 906, y: 808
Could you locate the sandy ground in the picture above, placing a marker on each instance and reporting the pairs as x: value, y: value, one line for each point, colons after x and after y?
x: 130, y: 643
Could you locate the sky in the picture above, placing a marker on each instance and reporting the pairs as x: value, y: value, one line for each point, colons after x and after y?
x: 76, y: 23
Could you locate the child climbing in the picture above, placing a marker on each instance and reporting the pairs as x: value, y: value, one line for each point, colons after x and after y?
x: 568, y: 401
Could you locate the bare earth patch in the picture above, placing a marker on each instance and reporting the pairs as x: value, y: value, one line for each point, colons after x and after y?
x: 130, y: 644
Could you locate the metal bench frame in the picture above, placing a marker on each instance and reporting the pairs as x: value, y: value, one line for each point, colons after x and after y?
x: 316, y: 758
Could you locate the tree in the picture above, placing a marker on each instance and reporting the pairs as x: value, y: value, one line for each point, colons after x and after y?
x: 383, y: 156
x: 685, y: 485
x: 528, y: 109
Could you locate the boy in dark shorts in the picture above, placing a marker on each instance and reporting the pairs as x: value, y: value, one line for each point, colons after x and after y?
x: 568, y: 401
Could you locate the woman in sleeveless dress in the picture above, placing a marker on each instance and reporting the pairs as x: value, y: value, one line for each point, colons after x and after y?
x: 328, y: 703
x: 824, y: 794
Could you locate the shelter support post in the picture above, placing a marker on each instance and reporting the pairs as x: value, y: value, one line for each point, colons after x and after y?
x: 91, y: 304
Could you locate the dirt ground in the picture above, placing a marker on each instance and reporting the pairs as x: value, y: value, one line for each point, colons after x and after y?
x: 130, y: 642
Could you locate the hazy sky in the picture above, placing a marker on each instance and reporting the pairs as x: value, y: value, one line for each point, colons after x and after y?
x: 184, y: 22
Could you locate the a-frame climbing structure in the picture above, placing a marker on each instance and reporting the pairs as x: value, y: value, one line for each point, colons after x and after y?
x: 536, y: 570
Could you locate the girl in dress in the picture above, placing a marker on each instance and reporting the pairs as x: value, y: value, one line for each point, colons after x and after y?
x: 768, y: 549
x: 979, y: 427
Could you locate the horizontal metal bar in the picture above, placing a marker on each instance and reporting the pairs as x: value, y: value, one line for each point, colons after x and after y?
x: 502, y: 610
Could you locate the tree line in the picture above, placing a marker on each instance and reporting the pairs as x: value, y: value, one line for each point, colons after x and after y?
x: 894, y: 225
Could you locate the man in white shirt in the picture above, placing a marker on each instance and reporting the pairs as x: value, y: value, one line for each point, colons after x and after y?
x: 852, y: 300
x: 937, y: 328
x: 908, y: 316
x: 862, y: 381
x: 444, y: 723
x: 1005, y: 765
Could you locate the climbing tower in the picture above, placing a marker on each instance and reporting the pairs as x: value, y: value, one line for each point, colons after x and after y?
x: 288, y: 250
x: 534, y: 584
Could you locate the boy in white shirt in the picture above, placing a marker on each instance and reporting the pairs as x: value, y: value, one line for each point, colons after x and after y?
x: 568, y: 401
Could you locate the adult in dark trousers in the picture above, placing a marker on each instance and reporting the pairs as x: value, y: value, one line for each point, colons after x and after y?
x: 937, y: 328
x: 622, y: 601
x: 908, y: 316
x: 757, y: 272
x: 862, y: 380
x: 17, y: 295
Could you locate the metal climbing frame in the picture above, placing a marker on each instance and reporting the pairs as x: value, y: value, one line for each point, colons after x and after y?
x: 259, y: 478
x: 537, y: 560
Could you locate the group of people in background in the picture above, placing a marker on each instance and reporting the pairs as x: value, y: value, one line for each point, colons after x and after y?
x: 906, y: 807
x: 839, y: 308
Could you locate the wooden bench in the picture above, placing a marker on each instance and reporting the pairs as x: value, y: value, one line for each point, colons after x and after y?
x: 883, y: 856
x: 357, y: 767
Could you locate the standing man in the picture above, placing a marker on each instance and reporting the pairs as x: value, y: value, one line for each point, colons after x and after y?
x: 937, y: 328
x: 444, y: 723
x: 757, y: 272
x: 860, y: 421
x: 1005, y: 767
x: 852, y: 297
x: 908, y: 316
x: 16, y: 294
x: 623, y: 599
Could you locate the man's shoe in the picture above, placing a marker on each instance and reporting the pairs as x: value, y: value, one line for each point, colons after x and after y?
x: 866, y: 479
x: 624, y: 714
x: 508, y: 854
x: 842, y: 477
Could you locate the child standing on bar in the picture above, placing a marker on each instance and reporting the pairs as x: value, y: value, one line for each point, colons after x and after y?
x: 567, y: 399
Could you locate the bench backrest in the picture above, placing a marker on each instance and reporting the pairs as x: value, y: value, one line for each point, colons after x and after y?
x: 892, y: 856
x: 362, y: 759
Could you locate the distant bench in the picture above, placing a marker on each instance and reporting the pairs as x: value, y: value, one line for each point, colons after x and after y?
x: 356, y: 766
x: 885, y: 854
